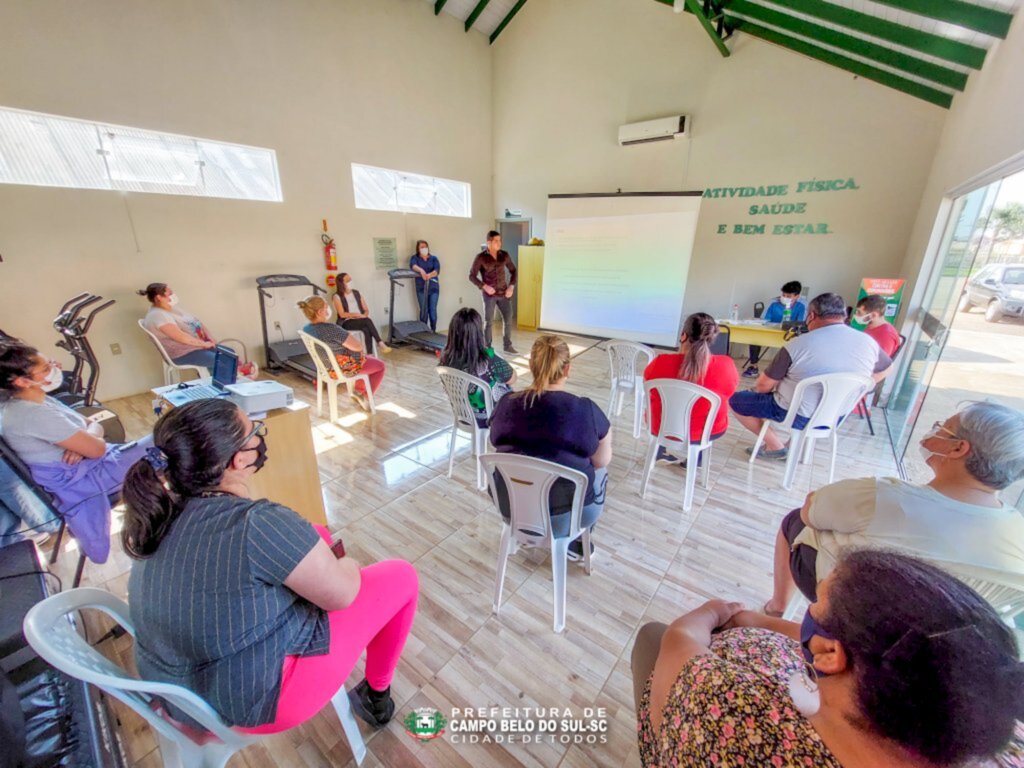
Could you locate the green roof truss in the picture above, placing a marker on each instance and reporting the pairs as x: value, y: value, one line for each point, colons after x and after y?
x: 937, y: 73
x: 912, y: 87
x: 989, y: 21
x: 504, y: 22
x: 475, y: 13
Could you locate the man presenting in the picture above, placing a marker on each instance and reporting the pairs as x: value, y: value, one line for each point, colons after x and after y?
x: 488, y: 273
x: 831, y: 346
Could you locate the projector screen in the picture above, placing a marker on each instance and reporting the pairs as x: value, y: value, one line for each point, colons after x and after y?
x: 615, y: 266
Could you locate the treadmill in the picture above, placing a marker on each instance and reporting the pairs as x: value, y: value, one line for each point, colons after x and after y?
x: 282, y: 320
x: 414, y: 333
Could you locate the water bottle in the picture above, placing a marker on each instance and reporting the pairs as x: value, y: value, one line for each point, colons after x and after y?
x: 735, y: 314
x: 787, y: 313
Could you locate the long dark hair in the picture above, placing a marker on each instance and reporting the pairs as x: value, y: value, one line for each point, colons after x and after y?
x: 466, y: 348
x: 700, y: 330
x: 16, y: 360
x: 935, y: 668
x: 153, y: 290
x: 198, y: 439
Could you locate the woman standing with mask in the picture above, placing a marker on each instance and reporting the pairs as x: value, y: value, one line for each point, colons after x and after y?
x: 240, y: 599
x: 428, y: 288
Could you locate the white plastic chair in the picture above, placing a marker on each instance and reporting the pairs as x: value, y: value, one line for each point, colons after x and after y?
x: 49, y: 630
x: 627, y: 378
x: 677, y: 401
x: 326, y: 364
x: 457, y: 385
x: 840, y: 393
x: 171, y: 368
x: 528, y: 481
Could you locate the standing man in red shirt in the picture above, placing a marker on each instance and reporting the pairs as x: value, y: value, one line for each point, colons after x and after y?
x: 494, y: 273
x: 871, y: 312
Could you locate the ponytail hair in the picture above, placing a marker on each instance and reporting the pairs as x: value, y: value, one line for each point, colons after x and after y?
x: 195, y: 444
x: 548, y: 360
x: 153, y: 290
x: 311, y: 305
x: 700, y: 330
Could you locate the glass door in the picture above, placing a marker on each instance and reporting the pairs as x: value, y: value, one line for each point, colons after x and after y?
x: 926, y: 337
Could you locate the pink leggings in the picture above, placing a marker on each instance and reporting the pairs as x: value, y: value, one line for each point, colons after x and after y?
x: 379, y: 620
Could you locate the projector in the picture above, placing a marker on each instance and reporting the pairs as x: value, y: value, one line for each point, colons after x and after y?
x: 260, y: 396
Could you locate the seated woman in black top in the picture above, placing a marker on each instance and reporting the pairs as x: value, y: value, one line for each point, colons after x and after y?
x: 241, y: 600
x: 353, y: 314
x: 549, y: 423
x: 467, y: 351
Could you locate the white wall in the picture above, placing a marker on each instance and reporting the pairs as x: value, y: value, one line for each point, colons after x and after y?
x: 985, y: 127
x: 323, y: 82
x: 568, y: 72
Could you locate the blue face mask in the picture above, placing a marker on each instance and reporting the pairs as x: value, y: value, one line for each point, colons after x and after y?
x: 808, y: 628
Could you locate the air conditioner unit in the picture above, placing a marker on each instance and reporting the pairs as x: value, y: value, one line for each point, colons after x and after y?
x: 662, y: 129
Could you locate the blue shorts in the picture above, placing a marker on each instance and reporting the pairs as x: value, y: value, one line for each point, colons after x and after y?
x: 762, y: 405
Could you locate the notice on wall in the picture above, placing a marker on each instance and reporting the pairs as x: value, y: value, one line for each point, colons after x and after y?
x: 889, y: 288
x: 779, y: 209
x: 385, y: 252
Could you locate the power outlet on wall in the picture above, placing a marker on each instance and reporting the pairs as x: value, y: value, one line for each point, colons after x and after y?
x: 115, y: 349
x: 277, y: 325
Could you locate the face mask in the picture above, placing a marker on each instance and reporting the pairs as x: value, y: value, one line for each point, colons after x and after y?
x: 424, y: 252
x: 261, y: 454
x: 53, y: 379
x: 330, y: 312
x: 862, y: 319
x: 173, y: 300
x: 808, y: 628
x: 786, y: 302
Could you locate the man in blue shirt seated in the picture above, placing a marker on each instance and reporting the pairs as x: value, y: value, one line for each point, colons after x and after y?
x: 776, y: 312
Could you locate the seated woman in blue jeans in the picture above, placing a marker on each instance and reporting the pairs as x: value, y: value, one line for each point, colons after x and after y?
x: 549, y: 423
x: 65, y: 452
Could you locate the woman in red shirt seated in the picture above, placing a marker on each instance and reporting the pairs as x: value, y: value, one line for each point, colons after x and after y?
x: 695, y: 363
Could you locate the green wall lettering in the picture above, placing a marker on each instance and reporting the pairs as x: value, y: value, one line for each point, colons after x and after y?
x: 777, y: 208
x: 770, y: 191
x: 748, y: 229
x: 801, y: 229
x: 831, y: 185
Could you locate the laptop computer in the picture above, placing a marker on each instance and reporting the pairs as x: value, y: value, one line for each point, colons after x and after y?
x: 225, y: 373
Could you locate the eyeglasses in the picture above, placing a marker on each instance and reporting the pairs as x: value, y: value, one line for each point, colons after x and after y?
x: 259, y: 429
x: 939, y: 426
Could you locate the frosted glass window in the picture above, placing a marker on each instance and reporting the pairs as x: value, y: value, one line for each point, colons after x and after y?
x: 51, y: 151
x: 383, y: 189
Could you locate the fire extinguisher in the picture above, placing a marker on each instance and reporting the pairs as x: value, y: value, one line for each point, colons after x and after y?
x: 330, y: 252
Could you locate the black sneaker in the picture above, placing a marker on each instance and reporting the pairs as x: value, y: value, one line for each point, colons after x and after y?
x: 375, y: 707
x: 510, y: 350
x: 751, y: 372
x: 665, y: 456
x: 576, y: 550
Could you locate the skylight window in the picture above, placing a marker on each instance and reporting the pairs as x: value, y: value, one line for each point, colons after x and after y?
x: 382, y: 189
x: 50, y: 151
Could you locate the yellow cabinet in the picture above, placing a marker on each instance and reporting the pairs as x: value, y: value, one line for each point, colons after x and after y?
x: 531, y: 276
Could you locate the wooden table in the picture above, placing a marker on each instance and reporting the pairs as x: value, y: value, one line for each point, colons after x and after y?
x: 754, y: 332
x: 290, y: 476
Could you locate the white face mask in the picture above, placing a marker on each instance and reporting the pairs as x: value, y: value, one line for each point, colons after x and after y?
x: 862, y: 319
x: 785, y: 301
x: 53, y: 379
x: 424, y: 252
x: 330, y: 312
x: 173, y: 299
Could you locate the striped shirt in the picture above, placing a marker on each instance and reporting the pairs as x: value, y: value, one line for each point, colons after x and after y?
x: 211, y: 610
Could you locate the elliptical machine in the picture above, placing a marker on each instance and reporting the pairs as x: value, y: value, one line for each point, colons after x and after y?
x: 79, y: 389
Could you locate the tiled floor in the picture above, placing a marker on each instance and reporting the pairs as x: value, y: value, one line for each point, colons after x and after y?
x: 387, y: 493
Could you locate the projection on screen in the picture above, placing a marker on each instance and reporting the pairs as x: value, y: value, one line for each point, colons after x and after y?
x: 616, y: 266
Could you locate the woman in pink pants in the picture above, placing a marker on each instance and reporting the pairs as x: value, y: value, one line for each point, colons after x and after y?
x: 241, y: 600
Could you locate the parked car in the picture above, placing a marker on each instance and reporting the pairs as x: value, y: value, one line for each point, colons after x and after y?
x: 999, y: 288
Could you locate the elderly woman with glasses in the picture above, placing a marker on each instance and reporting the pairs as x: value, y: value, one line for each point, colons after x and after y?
x: 957, y: 520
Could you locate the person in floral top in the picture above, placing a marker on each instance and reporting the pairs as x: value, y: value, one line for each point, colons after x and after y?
x: 898, y: 665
